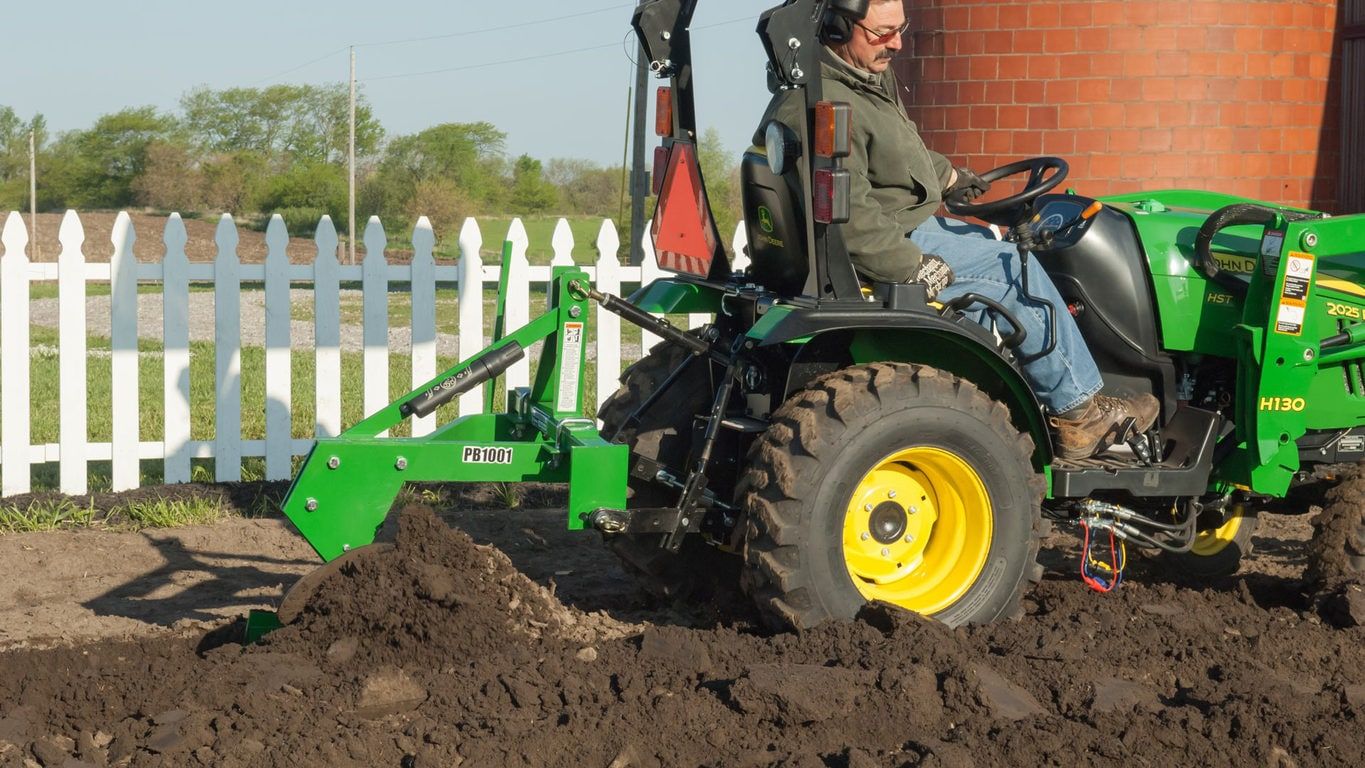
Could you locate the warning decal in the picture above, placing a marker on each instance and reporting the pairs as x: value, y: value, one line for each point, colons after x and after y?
x: 570, y: 368
x: 1298, y: 278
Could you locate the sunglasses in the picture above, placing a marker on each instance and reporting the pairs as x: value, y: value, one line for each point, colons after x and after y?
x: 882, y: 38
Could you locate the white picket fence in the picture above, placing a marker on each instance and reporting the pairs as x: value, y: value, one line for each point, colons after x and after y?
x: 324, y: 276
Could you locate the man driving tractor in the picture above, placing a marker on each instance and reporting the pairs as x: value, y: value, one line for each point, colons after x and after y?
x: 894, y: 236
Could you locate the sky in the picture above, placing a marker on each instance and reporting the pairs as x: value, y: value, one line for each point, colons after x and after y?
x: 75, y: 60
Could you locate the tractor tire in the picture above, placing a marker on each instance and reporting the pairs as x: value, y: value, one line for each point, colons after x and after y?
x: 664, y: 433
x: 1217, y: 553
x: 895, y: 483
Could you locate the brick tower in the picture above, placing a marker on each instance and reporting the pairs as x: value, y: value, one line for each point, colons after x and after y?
x: 1236, y: 96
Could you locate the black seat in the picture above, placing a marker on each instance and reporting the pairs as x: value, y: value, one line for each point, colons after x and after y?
x: 775, y: 225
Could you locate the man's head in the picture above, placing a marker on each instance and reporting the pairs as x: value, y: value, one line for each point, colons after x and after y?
x: 876, y: 39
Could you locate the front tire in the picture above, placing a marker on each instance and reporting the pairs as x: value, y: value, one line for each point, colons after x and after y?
x: 896, y: 483
x: 1217, y: 552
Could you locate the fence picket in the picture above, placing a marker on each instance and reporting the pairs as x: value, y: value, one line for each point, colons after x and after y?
x: 740, y: 248
x: 608, y: 323
x: 649, y: 272
x: 471, y: 307
x: 562, y: 244
x: 175, y: 335
x: 123, y: 365
x: 518, y: 304
x: 227, y: 352
x: 327, y: 330
x: 71, y: 358
x: 15, y: 433
x: 375, y: 284
x: 278, y: 402
x: 423, y: 293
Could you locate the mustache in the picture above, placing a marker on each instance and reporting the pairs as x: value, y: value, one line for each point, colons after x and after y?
x: 886, y: 55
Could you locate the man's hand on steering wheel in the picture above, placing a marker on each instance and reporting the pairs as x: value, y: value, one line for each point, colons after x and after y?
x: 967, y: 184
x: 1011, y: 210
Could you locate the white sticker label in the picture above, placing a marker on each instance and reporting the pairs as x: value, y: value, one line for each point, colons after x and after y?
x: 1290, y: 319
x: 1299, y: 267
x: 474, y: 454
x: 570, y: 368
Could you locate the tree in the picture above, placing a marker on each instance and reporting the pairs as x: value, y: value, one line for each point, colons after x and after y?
x: 95, y: 168
x: 170, y: 179
x: 464, y: 157
x: 720, y: 171
x: 14, y: 156
x: 283, y: 122
x: 531, y: 193
x: 315, y: 187
x: 235, y: 182
x: 586, y: 187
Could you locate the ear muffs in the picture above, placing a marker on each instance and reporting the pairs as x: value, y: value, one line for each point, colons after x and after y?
x: 836, y: 29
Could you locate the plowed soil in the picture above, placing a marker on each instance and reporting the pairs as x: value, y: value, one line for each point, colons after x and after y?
x: 445, y: 651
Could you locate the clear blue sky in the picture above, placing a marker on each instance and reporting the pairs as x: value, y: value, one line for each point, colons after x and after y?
x: 73, y: 61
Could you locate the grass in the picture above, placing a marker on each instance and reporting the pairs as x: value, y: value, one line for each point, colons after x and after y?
x: 37, y: 516
x: 539, y: 230
x: 65, y: 514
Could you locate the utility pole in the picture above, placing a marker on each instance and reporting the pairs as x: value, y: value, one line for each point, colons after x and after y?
x: 33, y: 193
x: 639, y: 188
x: 350, y: 217
x: 625, y: 152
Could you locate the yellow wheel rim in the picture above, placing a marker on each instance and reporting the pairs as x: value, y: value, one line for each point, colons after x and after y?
x: 918, y: 530
x: 1211, y: 542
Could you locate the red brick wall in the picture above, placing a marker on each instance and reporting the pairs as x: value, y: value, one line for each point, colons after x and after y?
x: 1236, y: 96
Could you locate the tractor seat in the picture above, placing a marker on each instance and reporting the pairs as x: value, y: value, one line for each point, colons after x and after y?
x: 776, y: 227
x: 775, y: 224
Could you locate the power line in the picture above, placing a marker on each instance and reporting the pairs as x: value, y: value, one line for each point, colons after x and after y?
x: 520, y: 25
x: 301, y: 66
x: 536, y: 57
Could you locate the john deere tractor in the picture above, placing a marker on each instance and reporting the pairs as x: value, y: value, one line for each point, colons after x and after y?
x: 827, y: 440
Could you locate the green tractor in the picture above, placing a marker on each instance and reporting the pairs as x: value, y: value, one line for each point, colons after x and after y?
x: 825, y: 441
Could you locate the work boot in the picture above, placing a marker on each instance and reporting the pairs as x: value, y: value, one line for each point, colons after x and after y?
x: 1101, y: 423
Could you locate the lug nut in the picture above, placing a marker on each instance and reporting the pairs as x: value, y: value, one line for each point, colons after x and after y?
x: 891, y: 494
x: 867, y: 507
x: 914, y: 510
x: 910, y: 539
x: 885, y: 552
x: 865, y: 536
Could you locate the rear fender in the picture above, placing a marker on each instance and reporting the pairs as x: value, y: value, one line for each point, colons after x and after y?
x: 946, y: 350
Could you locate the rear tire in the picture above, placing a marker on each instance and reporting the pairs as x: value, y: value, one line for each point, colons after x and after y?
x: 1336, y: 555
x: 664, y: 433
x: 895, y: 483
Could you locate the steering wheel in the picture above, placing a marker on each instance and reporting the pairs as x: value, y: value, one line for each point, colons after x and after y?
x: 1006, y: 211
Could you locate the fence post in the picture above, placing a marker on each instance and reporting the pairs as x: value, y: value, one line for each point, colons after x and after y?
x: 15, y: 433
x: 175, y: 334
x: 518, y: 300
x: 124, y: 364
x: 423, y: 292
x: 71, y: 355
x: 608, y: 324
x: 375, y: 282
x: 327, y: 330
x: 278, y: 400
x: 227, y: 349
x: 562, y: 244
x: 471, y: 307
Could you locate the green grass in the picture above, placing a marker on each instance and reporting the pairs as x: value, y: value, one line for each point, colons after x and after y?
x: 171, y: 513
x: 44, y: 516
x: 539, y: 231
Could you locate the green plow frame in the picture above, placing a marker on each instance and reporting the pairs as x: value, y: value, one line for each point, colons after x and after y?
x: 348, y: 483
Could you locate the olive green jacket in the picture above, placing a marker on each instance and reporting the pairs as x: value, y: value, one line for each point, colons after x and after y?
x: 897, y: 182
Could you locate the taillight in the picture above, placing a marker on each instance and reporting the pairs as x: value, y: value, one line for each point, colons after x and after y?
x: 663, y: 112
x: 660, y: 168
x: 833, y: 129
x: 832, y: 191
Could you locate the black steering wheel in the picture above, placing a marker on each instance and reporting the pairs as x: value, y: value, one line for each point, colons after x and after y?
x: 1007, y: 210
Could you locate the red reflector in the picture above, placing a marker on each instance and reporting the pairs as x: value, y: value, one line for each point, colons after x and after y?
x: 830, y: 203
x: 660, y: 168
x: 663, y: 112
x: 684, y: 236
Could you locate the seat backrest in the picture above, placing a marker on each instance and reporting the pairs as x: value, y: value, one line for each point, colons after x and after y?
x: 775, y: 224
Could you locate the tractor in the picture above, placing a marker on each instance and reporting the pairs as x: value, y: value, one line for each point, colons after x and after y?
x: 827, y: 441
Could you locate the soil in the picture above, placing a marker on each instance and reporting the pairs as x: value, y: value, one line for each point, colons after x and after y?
x: 448, y: 650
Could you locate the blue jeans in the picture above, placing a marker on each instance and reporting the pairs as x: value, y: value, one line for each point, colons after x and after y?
x: 1062, y: 379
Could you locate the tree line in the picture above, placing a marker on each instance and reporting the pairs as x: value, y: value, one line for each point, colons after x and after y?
x: 283, y: 149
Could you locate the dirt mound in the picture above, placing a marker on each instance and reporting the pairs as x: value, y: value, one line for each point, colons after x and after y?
x: 439, y: 653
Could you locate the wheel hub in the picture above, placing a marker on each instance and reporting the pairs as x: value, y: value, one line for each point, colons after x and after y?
x: 887, y: 522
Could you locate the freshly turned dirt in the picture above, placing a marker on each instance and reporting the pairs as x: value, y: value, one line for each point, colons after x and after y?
x: 440, y: 652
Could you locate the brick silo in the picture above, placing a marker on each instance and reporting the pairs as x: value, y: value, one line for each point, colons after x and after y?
x: 1236, y: 96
